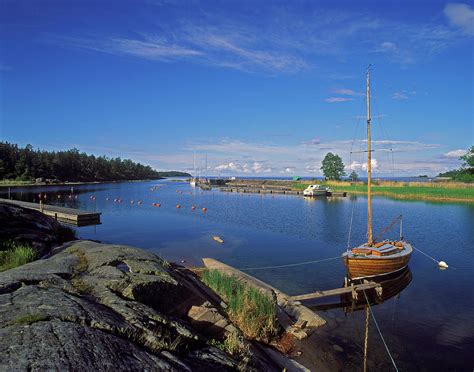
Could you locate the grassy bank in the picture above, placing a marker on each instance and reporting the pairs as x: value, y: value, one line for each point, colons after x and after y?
x: 251, y: 310
x: 14, y: 254
x: 448, y: 191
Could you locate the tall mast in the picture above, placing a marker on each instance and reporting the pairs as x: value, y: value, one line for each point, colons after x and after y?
x: 369, y: 165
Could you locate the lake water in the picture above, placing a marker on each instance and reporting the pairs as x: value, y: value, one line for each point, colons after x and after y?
x: 428, y: 326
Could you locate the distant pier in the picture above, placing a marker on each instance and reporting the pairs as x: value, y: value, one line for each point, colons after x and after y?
x: 68, y: 215
x: 276, y: 191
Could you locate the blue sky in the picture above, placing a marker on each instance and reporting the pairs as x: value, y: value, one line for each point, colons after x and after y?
x: 261, y: 87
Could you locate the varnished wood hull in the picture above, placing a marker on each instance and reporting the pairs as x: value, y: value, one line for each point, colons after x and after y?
x: 361, y: 267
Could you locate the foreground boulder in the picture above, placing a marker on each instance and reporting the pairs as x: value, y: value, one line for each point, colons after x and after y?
x: 24, y: 225
x: 93, y: 306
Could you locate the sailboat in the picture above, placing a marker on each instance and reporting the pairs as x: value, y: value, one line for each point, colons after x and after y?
x: 193, y: 179
x: 375, y: 258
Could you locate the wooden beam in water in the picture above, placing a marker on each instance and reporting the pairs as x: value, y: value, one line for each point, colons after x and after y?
x: 337, y: 292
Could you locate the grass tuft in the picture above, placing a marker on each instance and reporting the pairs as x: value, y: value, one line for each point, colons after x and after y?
x: 254, y: 312
x: 15, y: 254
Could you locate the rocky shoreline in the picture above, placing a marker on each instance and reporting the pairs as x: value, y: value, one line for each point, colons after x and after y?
x: 92, y: 306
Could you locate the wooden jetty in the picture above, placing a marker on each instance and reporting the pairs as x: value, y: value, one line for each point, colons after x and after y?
x: 68, y: 215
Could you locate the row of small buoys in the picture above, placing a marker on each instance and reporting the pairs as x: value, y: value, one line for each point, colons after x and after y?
x: 156, y: 204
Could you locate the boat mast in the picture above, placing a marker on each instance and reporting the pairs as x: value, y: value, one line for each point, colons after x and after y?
x: 369, y: 166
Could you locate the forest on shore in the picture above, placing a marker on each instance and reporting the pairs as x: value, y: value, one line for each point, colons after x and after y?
x: 28, y: 164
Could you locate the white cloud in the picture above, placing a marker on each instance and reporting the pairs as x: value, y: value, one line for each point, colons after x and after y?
x: 363, y: 166
x: 387, y: 46
x: 236, y: 167
x: 455, y: 153
x: 460, y: 15
x: 338, y: 99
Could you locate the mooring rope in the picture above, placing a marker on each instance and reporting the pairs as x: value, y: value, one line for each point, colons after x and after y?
x: 289, y: 265
x: 366, y: 341
x: 380, y: 332
x: 350, y: 227
x: 427, y: 255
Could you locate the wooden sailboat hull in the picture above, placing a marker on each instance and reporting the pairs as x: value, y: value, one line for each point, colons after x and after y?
x: 367, y: 266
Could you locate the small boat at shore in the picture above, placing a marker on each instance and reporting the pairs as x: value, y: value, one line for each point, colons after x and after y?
x: 375, y: 258
x: 315, y: 190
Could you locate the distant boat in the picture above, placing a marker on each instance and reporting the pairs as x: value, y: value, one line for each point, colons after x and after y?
x: 315, y: 190
x: 375, y: 258
x: 193, y: 181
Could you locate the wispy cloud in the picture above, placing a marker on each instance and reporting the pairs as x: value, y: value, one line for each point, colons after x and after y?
x: 282, y: 40
x: 347, y: 92
x: 337, y: 99
x: 403, y: 95
x: 399, y: 96
x: 461, y: 16
x: 147, y: 48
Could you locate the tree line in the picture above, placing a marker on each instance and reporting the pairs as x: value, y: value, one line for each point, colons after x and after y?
x: 27, y: 164
x: 466, y: 172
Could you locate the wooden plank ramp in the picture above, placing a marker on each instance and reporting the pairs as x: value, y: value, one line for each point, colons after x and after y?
x: 352, y: 289
x: 73, y: 216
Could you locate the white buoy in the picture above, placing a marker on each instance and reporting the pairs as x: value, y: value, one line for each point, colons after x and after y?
x: 442, y: 265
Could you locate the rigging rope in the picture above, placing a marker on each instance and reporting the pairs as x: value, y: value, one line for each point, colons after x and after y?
x: 380, y: 332
x: 289, y: 265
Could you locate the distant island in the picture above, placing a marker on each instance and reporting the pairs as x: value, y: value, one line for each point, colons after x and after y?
x: 27, y: 165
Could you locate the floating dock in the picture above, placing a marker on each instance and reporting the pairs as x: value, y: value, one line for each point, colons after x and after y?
x: 67, y: 215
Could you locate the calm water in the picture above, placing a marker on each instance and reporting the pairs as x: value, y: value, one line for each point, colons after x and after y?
x: 429, y: 326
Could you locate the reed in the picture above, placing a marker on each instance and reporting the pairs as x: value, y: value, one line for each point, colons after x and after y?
x: 254, y: 312
x: 14, y: 254
x: 437, y: 191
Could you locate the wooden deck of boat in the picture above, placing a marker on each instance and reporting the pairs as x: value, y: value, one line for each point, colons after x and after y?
x: 68, y: 215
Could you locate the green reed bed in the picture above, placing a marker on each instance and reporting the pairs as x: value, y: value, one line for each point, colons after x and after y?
x: 254, y: 312
x: 14, y: 254
x: 409, y: 190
